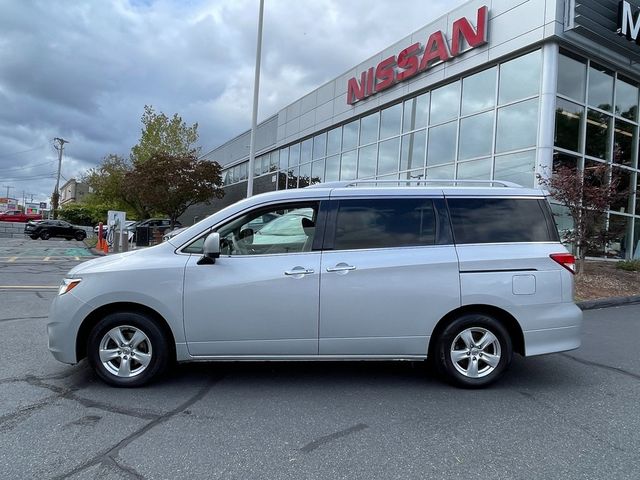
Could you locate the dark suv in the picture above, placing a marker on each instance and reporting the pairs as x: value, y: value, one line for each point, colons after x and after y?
x: 45, y: 229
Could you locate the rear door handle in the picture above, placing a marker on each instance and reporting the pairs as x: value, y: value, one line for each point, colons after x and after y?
x: 299, y: 271
x: 341, y: 267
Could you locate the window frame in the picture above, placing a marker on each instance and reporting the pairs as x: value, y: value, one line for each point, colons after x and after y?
x: 443, y: 230
x: 294, y: 203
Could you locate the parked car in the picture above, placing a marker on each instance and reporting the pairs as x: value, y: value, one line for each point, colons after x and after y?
x: 18, y: 216
x: 172, y: 233
x: 155, y: 225
x: 464, y: 276
x: 45, y: 229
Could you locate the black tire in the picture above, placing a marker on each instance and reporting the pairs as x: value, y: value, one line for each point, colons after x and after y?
x: 45, y: 235
x: 451, y: 339
x: 159, y: 349
x: 80, y: 236
x: 33, y: 237
x: 67, y: 238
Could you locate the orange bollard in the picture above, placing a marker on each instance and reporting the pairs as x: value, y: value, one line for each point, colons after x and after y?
x: 100, y: 240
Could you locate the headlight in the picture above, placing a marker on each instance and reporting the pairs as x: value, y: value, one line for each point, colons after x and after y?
x: 68, y: 284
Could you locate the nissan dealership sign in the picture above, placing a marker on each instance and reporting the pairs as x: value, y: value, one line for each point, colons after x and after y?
x: 418, y: 58
x: 628, y: 22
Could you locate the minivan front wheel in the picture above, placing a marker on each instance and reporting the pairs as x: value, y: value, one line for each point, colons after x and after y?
x: 473, y: 351
x: 127, y: 349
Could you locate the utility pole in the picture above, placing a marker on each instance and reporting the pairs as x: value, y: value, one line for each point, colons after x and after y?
x: 56, y: 194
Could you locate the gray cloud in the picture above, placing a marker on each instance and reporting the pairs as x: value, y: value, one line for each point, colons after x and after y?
x: 85, y: 70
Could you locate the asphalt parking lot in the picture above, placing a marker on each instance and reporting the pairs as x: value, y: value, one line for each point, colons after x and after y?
x: 564, y: 416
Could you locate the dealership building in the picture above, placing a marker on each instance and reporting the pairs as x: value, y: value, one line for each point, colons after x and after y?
x: 493, y: 90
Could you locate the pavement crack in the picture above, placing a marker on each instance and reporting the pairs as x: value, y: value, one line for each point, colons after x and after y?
x: 311, y: 446
x: 69, y: 394
x: 130, y: 472
x: 112, y: 452
x: 27, y: 378
x: 22, y: 318
x: 603, y: 366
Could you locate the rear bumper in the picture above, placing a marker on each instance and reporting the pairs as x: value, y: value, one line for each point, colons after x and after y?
x: 566, y: 336
x: 552, y: 340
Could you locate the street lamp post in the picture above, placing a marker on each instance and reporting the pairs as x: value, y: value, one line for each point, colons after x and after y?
x: 254, y: 117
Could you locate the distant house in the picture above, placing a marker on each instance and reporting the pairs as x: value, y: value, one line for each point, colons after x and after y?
x: 73, y: 191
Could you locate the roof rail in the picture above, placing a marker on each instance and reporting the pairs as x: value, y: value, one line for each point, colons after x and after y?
x: 352, y: 183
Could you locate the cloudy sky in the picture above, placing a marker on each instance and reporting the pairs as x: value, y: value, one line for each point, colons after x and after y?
x: 84, y: 69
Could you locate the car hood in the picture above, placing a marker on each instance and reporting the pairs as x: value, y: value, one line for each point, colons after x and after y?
x: 114, y: 261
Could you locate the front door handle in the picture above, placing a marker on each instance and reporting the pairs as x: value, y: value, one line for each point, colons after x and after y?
x: 299, y: 271
x: 341, y: 267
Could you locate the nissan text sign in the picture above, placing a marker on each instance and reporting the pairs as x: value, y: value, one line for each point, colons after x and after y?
x: 628, y: 22
x: 417, y: 58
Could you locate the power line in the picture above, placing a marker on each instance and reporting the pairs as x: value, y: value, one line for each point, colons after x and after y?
x: 22, y: 167
x: 20, y: 152
x: 31, y: 177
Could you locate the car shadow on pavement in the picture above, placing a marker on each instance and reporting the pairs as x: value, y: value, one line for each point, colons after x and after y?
x: 544, y: 372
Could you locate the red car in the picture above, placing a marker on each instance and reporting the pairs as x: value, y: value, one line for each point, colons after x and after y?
x: 18, y: 216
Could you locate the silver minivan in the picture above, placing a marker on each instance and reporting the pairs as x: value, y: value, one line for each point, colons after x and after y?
x: 462, y: 275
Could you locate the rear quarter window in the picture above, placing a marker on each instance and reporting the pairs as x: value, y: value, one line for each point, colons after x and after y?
x: 500, y: 220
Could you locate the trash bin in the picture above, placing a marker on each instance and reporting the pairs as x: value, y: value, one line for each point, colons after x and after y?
x: 142, y: 236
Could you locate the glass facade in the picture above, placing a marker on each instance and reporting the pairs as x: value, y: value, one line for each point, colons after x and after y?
x: 470, y: 128
x: 597, y: 124
x: 485, y: 126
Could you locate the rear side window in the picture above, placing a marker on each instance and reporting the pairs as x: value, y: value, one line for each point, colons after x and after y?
x: 382, y: 223
x: 499, y: 220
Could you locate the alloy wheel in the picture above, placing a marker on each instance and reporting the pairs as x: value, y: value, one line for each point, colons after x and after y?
x: 125, y: 351
x: 475, y: 352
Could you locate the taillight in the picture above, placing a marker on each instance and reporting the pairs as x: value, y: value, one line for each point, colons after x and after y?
x: 567, y: 260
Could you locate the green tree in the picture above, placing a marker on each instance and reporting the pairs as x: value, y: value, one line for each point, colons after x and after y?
x: 587, y: 196
x: 109, y: 184
x: 82, y: 214
x: 161, y: 134
x: 169, y: 184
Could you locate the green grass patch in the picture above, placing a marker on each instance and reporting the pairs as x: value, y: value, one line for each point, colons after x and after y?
x: 629, y: 265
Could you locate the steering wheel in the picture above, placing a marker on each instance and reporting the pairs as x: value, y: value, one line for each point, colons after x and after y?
x: 240, y: 246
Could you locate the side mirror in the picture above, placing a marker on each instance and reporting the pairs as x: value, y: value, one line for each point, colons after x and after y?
x: 210, y: 249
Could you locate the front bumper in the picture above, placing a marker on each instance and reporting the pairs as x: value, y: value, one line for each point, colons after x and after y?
x: 65, y: 316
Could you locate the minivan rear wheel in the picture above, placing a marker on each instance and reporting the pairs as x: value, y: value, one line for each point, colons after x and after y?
x: 473, y: 351
x: 127, y: 349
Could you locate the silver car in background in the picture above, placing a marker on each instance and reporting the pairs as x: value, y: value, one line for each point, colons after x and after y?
x: 462, y: 275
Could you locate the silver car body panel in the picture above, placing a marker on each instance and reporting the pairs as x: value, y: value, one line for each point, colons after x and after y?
x: 246, y: 308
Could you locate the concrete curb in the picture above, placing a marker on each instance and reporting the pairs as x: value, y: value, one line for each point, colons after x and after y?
x: 608, y: 302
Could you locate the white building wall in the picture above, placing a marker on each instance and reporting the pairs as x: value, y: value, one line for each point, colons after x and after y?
x: 513, y: 25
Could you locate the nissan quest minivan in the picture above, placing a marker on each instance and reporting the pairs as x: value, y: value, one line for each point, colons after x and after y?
x: 462, y: 275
